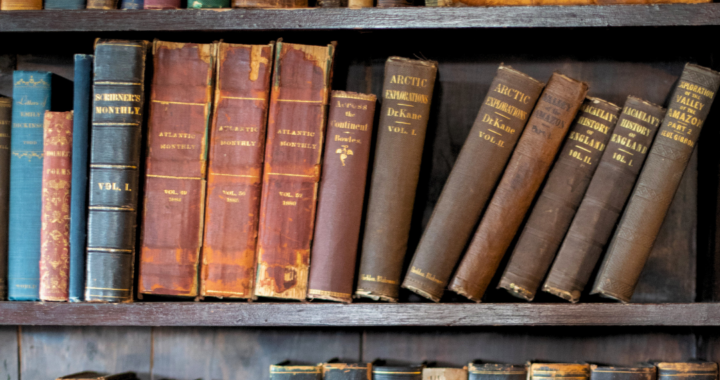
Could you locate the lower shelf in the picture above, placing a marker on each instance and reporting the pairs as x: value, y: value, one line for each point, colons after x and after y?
x: 362, y: 314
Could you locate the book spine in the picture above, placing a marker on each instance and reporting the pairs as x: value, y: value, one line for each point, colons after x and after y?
x: 530, y: 162
x: 131, y: 4
x: 342, y: 195
x: 357, y: 4
x: 658, y: 181
x: 270, y: 3
x: 31, y: 97
x: 55, y: 231
x: 296, y: 127
x: 198, y: 4
x: 394, y: 3
x: 283, y: 372
x: 21, y: 5
x: 444, y: 374
x: 332, y: 3
x: 176, y: 167
x: 117, y: 117
x: 604, y: 199
x: 559, y: 199
x: 558, y: 371
x: 498, y: 125
x: 237, y: 147
x: 64, y: 4
x: 647, y: 372
x: 161, y: 4
x: 5, y: 128
x: 341, y: 371
x: 407, y: 94
x: 496, y: 372
x: 102, y: 4
x: 690, y: 370
x: 398, y: 373
x: 78, y: 190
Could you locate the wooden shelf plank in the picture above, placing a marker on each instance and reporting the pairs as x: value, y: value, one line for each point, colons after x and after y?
x: 362, y: 314
x: 366, y: 19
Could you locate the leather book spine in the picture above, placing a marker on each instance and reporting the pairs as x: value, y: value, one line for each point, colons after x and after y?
x: 64, y: 4
x: 5, y: 127
x: 689, y: 370
x: 55, y: 230
x: 341, y: 196
x: 286, y: 372
x: 646, y: 372
x: 21, y: 5
x: 498, y: 125
x: 559, y: 371
x: 545, y: 131
x: 394, y: 3
x: 199, y: 4
x: 176, y: 167
x: 398, y: 373
x: 161, y: 4
x: 357, y: 4
x: 132, y: 4
x: 78, y: 189
x: 407, y: 94
x: 332, y: 3
x: 496, y: 372
x: 658, y: 181
x: 102, y: 4
x: 235, y: 163
x: 117, y: 118
x: 270, y: 3
x: 444, y: 374
x: 31, y: 97
x: 342, y: 371
x: 296, y: 129
x: 559, y: 199
x: 604, y: 199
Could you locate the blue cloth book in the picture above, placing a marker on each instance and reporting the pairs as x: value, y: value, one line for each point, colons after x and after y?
x: 78, y: 189
x: 132, y: 4
x: 31, y: 98
x: 64, y: 4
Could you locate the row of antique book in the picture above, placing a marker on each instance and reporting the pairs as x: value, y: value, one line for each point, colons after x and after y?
x: 232, y: 180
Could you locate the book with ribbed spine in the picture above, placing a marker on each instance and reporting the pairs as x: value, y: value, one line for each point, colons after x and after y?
x: 31, y: 98
x: 78, y: 190
x: 414, y: 372
x: 117, y: 117
x: 5, y: 128
x: 640, y: 372
x: 687, y: 370
x: 559, y: 371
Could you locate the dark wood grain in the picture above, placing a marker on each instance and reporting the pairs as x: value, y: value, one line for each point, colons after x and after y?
x: 9, y: 353
x: 367, y: 18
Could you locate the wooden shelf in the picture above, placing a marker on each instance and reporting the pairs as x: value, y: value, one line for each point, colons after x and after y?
x: 363, y: 314
x: 366, y: 19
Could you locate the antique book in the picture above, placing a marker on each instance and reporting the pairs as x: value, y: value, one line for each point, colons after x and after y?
x: 530, y: 162
x: 78, y: 189
x: 342, y: 371
x: 658, y: 181
x: 89, y: 375
x: 64, y: 4
x: 295, y: 372
x: 102, y: 4
x: 394, y: 3
x: 295, y: 131
x: 176, y: 168
x: 5, y: 128
x: 31, y: 98
x: 332, y: 3
x: 357, y: 4
x: 161, y: 4
x: 131, y: 4
x: 640, y: 372
x: 498, y: 125
x: 235, y: 162
x: 270, y: 3
x: 558, y: 371
x: 341, y: 196
x: 21, y: 5
x: 444, y: 374
x: 559, y: 199
x: 197, y: 4
x: 689, y: 370
x: 604, y: 199
x: 490, y: 371
x: 398, y: 373
x: 407, y: 93
x: 117, y: 117
x: 55, y: 230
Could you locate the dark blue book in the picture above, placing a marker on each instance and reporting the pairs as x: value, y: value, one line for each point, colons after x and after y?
x: 64, y: 4
x: 78, y: 189
x: 132, y: 4
x: 31, y: 98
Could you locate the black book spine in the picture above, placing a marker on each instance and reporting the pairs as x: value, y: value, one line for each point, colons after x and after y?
x: 397, y: 373
x: 117, y: 116
x: 647, y: 372
x: 496, y: 372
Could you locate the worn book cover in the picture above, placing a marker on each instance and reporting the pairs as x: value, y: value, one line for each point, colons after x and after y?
x: 640, y: 372
x: 176, y: 167
x: 546, y: 130
x: 558, y: 371
x: 490, y: 371
x: 161, y: 4
x: 270, y: 3
x: 344, y: 371
x: 5, y: 128
x: 560, y: 197
x: 499, y: 123
x: 296, y: 372
x: 295, y: 132
x: 102, y: 4
x: 647, y: 207
x: 604, y: 199
x: 65, y: 4
x: 21, y: 5
x: 341, y: 196
x: 55, y: 222
x: 414, y: 372
x: 235, y: 163
x: 444, y: 374
x: 406, y: 97
x: 688, y: 370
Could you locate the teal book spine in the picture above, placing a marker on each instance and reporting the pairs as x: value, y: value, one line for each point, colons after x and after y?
x: 31, y: 98
x: 197, y: 4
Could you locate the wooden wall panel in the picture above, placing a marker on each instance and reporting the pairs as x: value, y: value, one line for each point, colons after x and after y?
x: 9, y: 353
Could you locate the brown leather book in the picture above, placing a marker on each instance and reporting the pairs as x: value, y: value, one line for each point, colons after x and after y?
x: 357, y: 4
x: 641, y: 372
x: 490, y: 371
x: 689, y: 370
x: 500, y: 121
x: 394, y: 3
x: 342, y: 195
x: 5, y: 129
x: 407, y: 93
x: 530, y: 162
x: 343, y: 371
x: 553, y: 212
x: 658, y: 181
x: 237, y: 147
x: 559, y: 371
x: 21, y: 5
x: 604, y: 199
x: 270, y: 3
x: 175, y: 170
x: 296, y: 125
x: 102, y: 4
x: 55, y: 230
x: 332, y: 3
x: 444, y: 374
